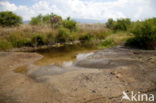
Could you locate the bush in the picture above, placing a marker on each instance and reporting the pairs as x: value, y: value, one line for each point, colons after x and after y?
x: 18, y: 41
x: 56, y: 21
x: 5, y: 45
x: 110, y: 23
x: 86, y: 37
x: 8, y: 18
x: 38, y: 40
x: 36, y: 20
x: 107, y: 43
x: 51, y: 19
x: 50, y: 39
x: 120, y: 24
x: 23, y: 42
x: 63, y: 35
x: 145, y: 34
x: 70, y: 24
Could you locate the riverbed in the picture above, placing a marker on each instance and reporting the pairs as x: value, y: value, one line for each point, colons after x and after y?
x: 100, y: 77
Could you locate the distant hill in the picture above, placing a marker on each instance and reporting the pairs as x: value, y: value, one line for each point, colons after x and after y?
x: 26, y: 22
x: 90, y: 21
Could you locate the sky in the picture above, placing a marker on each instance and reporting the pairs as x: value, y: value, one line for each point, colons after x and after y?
x: 82, y: 9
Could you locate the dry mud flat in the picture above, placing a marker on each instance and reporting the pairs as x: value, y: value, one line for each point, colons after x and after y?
x: 99, y: 78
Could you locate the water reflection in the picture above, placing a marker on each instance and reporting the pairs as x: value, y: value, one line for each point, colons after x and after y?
x: 64, y: 56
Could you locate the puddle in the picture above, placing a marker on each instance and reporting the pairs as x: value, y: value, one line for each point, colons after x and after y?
x: 64, y: 56
x: 21, y: 69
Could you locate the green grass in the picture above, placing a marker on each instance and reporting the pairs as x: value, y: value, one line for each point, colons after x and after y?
x: 5, y: 45
x: 144, y: 34
x: 115, y: 39
x: 35, y: 36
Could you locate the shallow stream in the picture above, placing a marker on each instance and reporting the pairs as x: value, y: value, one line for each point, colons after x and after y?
x: 63, y: 56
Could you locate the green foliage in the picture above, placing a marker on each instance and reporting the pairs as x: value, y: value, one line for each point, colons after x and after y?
x: 63, y: 35
x: 50, y: 39
x: 22, y: 42
x: 51, y: 19
x: 19, y: 41
x: 86, y: 37
x: 108, y: 43
x: 110, y: 23
x: 5, y: 45
x: 103, y: 35
x: 36, y: 20
x: 46, y: 19
x: 145, y: 34
x: 8, y: 18
x: 38, y: 40
x: 120, y: 24
x: 70, y: 24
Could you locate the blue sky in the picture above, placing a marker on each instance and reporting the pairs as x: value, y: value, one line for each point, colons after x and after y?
x: 22, y: 2
x: 31, y: 2
x: 83, y: 9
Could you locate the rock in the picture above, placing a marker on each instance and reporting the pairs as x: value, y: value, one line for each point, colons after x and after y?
x: 42, y: 73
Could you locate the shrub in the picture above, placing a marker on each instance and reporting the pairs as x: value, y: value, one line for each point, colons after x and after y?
x: 23, y: 42
x: 103, y: 35
x: 50, y: 39
x: 110, y: 23
x: 8, y: 18
x: 145, y: 35
x: 36, y: 20
x: 108, y: 43
x: 70, y: 24
x: 51, y: 19
x: 38, y: 40
x: 56, y: 21
x: 86, y: 37
x: 63, y: 35
x: 14, y: 38
x: 18, y: 41
x: 5, y: 45
x: 120, y: 24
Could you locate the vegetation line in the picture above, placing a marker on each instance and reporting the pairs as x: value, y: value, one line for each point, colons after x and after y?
x: 45, y: 30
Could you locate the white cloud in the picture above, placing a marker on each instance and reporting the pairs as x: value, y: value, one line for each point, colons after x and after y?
x: 4, y: 5
x: 135, y: 9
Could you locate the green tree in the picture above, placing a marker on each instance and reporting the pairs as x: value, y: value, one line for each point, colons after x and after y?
x: 63, y: 35
x: 8, y: 18
x: 55, y: 20
x: 145, y: 34
x: 110, y: 23
x: 122, y: 24
x: 70, y: 24
x: 49, y: 19
x: 36, y: 20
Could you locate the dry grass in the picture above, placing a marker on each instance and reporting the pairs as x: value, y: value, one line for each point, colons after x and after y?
x: 119, y: 37
x: 28, y: 35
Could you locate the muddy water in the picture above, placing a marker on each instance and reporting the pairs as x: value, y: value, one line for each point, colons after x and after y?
x: 65, y: 55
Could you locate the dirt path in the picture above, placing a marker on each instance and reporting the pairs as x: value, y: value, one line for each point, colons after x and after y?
x: 100, y: 78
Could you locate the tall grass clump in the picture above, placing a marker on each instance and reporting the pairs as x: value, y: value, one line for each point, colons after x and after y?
x: 38, y: 40
x: 5, y: 45
x: 63, y: 35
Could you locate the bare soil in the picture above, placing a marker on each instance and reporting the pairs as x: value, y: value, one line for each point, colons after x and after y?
x: 99, y: 78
